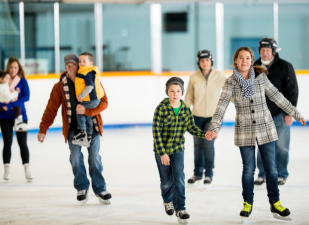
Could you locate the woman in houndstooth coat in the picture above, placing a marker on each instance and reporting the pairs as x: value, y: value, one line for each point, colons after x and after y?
x: 247, y: 87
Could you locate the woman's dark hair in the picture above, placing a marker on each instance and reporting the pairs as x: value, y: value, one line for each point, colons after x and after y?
x: 21, y: 71
x: 2, y: 74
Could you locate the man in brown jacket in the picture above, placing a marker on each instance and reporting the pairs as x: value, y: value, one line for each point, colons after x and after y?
x: 63, y: 94
x: 203, y: 93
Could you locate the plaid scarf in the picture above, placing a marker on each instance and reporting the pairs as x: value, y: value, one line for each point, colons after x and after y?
x: 248, y: 86
x: 64, y: 81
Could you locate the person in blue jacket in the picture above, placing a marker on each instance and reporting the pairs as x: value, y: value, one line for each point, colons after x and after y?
x: 7, y: 118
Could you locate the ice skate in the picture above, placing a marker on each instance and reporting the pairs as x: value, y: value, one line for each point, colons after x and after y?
x: 245, y: 213
x: 89, y: 139
x: 104, y: 198
x: 281, y: 182
x: 169, y: 208
x: 259, y: 181
x: 82, y: 196
x: 6, y: 175
x: 207, y: 182
x: 19, y: 124
x: 81, y: 139
x: 279, y: 212
x: 27, y: 172
x: 182, y: 217
x: 194, y: 179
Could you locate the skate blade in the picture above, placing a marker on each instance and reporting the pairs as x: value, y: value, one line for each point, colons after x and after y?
x: 29, y: 180
x: 286, y: 218
x: 244, y: 219
x: 83, y: 202
x: 207, y: 186
x: 181, y: 221
x: 104, y: 202
x: 82, y: 144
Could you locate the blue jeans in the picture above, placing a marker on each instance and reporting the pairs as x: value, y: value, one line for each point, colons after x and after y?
x: 81, y: 181
x: 172, y: 180
x: 204, y: 151
x: 85, y: 122
x: 269, y: 161
x: 282, y: 148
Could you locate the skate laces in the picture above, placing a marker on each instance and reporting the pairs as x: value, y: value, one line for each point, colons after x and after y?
x: 82, y: 192
x: 279, y: 207
x: 182, y: 212
x: 169, y: 205
x: 247, y: 207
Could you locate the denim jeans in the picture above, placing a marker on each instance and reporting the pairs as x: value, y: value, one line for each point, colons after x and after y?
x: 204, y: 151
x: 282, y: 148
x: 269, y: 161
x: 85, y: 122
x: 81, y: 181
x: 172, y: 180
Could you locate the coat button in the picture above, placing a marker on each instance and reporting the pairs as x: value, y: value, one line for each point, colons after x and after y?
x: 251, y: 101
x: 252, y: 111
x: 253, y: 122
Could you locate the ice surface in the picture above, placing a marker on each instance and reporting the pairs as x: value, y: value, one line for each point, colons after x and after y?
x: 132, y: 179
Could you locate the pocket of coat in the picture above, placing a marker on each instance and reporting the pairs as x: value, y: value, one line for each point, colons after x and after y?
x: 168, y: 119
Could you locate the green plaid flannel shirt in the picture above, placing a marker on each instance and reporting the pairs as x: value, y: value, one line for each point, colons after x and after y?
x: 168, y: 129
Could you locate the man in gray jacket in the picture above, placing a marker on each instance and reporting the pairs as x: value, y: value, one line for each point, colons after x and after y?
x: 203, y: 93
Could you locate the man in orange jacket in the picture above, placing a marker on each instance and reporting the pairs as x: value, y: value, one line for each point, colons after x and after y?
x: 63, y: 93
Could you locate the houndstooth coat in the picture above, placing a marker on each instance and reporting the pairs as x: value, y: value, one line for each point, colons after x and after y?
x: 253, y: 120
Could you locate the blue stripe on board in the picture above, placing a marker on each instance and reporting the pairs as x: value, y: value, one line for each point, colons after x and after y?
x: 122, y: 126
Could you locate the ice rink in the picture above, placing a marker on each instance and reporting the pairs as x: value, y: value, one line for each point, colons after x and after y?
x: 133, y: 180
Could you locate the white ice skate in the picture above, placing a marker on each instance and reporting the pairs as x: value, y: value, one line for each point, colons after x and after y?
x: 27, y: 172
x: 6, y: 175
x: 82, y: 197
x: 19, y: 124
x: 182, y: 217
x: 104, y: 198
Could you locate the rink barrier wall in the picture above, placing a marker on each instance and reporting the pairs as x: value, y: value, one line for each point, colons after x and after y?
x: 132, y: 99
x: 124, y: 126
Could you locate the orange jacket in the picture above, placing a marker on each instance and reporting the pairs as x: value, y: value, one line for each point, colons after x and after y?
x: 56, y: 99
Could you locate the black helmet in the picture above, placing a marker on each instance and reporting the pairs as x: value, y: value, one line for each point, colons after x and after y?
x: 204, y: 54
x: 268, y: 43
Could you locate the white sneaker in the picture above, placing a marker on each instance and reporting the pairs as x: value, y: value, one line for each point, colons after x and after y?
x: 6, y: 171
x: 27, y: 172
x: 19, y: 125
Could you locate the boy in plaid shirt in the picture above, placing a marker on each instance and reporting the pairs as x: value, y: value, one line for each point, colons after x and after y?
x: 172, y: 118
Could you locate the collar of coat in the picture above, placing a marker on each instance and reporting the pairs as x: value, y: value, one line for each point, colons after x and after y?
x: 166, y: 103
x: 259, y: 62
x: 84, y: 70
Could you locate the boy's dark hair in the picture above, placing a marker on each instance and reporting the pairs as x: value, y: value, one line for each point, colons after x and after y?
x: 90, y: 56
x: 2, y: 74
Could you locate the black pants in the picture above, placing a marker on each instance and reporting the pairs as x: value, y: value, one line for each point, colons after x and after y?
x: 7, y: 135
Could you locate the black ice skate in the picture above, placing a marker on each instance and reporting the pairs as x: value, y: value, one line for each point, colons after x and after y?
x: 182, y: 217
x: 89, y: 138
x: 193, y: 179
x: 259, y: 181
x: 279, y: 212
x: 82, y: 196
x: 281, y: 181
x: 245, y: 213
x: 80, y: 139
x: 104, y: 198
x: 169, y: 208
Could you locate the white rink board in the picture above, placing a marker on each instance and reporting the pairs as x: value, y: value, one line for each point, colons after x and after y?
x: 132, y: 99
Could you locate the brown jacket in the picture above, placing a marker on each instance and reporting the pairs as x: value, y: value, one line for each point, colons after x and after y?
x: 56, y: 99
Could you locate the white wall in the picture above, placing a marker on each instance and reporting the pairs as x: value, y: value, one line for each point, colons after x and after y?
x: 131, y: 100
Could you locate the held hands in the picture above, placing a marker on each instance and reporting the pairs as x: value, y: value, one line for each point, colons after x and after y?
x: 80, y: 109
x: 211, y: 135
x: 79, y: 98
x: 41, y: 137
x: 303, y: 121
x: 165, y: 160
x: 5, y: 108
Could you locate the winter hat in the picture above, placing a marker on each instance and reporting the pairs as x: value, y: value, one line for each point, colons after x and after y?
x: 71, y: 57
x: 175, y: 80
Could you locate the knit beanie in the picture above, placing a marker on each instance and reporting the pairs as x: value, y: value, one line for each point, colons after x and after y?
x: 175, y: 80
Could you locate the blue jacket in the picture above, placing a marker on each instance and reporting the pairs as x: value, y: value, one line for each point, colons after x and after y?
x: 23, y: 97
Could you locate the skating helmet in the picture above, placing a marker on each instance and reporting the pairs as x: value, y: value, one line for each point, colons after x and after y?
x: 268, y: 43
x: 204, y: 54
